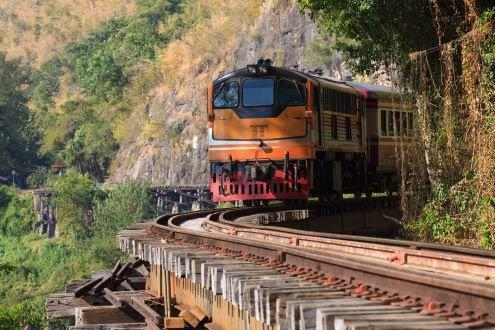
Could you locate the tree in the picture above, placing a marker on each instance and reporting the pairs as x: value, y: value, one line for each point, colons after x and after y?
x: 75, y: 195
x: 18, y: 137
x: 371, y: 33
x: 444, y: 54
x: 91, y: 149
x: 19, y: 216
x: 104, y: 62
x: 125, y: 205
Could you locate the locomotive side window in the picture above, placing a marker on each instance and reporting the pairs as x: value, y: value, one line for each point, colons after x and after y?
x: 290, y: 93
x: 258, y: 92
x: 335, y: 101
x: 348, y: 130
x: 335, y: 133
x: 228, y: 96
x: 390, y: 123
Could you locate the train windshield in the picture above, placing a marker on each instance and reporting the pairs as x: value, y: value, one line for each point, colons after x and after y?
x: 290, y: 93
x: 228, y: 96
x: 258, y: 92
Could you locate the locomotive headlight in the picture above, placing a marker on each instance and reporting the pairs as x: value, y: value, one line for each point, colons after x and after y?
x: 252, y: 69
x: 263, y: 69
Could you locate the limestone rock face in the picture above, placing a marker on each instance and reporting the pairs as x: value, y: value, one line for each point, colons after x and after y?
x: 176, y: 113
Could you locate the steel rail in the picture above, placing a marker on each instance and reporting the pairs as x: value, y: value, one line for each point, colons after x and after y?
x: 440, y: 257
x: 468, y: 294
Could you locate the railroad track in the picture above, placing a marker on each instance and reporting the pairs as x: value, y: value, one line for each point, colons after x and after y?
x: 221, y: 269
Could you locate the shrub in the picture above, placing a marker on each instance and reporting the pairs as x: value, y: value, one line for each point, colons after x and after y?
x: 75, y: 195
x: 39, y: 178
x: 91, y: 149
x: 127, y: 204
x: 6, y: 194
x: 22, y: 314
x: 18, y: 217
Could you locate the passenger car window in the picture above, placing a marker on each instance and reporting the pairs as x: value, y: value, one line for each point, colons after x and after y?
x: 290, y: 93
x: 257, y: 92
x: 228, y: 96
x: 390, y: 122
x: 383, y: 122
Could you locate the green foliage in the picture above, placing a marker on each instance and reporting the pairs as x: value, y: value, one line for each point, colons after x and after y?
x: 18, y: 217
x: 91, y: 149
x: 371, y: 33
x: 321, y: 54
x: 489, y: 57
x: 32, y: 266
x: 44, y: 84
x: 22, y: 314
x: 104, y: 62
x: 114, y: 67
x: 59, y: 128
x: 75, y: 195
x: 39, y: 177
x: 439, y: 228
x: 17, y: 137
x: 6, y: 194
x: 453, y: 217
x: 125, y: 205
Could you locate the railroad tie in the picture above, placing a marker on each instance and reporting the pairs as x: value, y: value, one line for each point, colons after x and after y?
x: 264, y: 294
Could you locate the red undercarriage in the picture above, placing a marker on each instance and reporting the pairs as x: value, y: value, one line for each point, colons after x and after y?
x: 238, y: 187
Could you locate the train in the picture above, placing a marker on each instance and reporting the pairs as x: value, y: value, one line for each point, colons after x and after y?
x: 281, y: 134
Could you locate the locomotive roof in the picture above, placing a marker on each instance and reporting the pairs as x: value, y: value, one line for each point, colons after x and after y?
x: 278, y: 71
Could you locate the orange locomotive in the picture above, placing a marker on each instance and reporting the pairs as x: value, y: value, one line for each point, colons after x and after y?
x: 281, y: 134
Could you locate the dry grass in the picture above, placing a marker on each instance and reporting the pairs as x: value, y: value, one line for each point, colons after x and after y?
x: 204, y: 51
x: 36, y: 30
x: 456, y: 123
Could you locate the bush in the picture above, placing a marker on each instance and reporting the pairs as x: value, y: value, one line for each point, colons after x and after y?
x: 454, y: 217
x: 39, y: 178
x: 6, y: 194
x: 127, y: 204
x: 22, y: 314
x: 75, y: 195
x: 19, y: 216
x: 32, y: 266
x: 104, y: 62
x: 91, y: 149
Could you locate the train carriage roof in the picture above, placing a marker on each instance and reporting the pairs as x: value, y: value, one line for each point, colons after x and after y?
x: 380, y: 92
x: 383, y: 94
